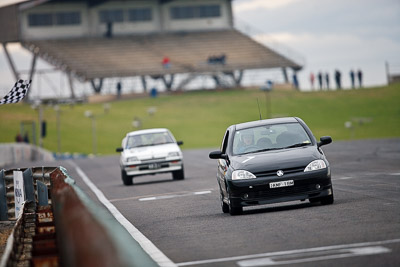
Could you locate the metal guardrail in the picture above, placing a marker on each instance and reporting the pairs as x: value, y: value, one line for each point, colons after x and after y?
x: 60, y: 226
x: 34, y: 177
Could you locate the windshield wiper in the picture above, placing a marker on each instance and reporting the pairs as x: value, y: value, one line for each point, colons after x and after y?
x: 256, y: 151
x: 266, y: 149
x: 138, y: 146
x: 298, y: 145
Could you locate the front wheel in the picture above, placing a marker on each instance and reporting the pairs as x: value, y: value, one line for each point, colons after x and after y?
x: 234, y: 210
x: 328, y: 200
x: 126, y: 179
x: 178, y: 175
x: 224, y: 206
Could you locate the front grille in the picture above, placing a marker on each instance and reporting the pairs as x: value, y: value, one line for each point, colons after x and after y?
x: 153, y: 160
x: 285, y: 171
x: 270, y: 193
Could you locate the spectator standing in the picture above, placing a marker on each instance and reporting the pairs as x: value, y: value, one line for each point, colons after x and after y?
x: 166, y: 62
x: 312, y: 78
x: 338, y: 79
x: 327, y: 80
x: 119, y: 89
x: 352, y: 78
x: 18, y: 138
x: 26, y: 138
x: 295, y: 81
x: 360, y: 76
x: 320, y: 80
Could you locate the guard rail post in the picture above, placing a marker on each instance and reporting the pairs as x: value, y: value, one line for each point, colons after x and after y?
x: 42, y: 191
x: 3, y: 198
x: 28, y: 186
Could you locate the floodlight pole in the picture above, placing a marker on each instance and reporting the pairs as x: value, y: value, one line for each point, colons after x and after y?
x: 57, y: 109
x: 40, y: 111
x: 267, y: 88
x: 94, y: 135
x: 268, y: 104
x: 91, y: 116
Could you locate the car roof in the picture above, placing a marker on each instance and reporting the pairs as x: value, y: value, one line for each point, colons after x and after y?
x: 251, y: 124
x: 147, y: 131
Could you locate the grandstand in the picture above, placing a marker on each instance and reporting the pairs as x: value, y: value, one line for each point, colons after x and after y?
x: 98, y: 39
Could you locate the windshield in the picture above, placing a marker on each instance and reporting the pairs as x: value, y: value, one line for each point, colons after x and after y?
x: 270, y: 137
x: 150, y: 139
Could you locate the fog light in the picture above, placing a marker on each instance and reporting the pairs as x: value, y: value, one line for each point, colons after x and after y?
x: 246, y: 196
x: 317, y: 186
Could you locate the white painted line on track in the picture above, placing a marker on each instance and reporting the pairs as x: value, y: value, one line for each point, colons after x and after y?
x: 174, y: 196
x: 202, y: 192
x: 205, y: 191
x: 355, y: 249
x: 395, y: 174
x: 310, y: 257
x: 146, y: 244
x: 343, y: 178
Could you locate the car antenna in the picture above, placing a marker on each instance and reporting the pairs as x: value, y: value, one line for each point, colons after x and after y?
x: 259, y: 112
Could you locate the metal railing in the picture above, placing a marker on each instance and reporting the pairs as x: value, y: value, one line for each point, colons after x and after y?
x: 58, y: 225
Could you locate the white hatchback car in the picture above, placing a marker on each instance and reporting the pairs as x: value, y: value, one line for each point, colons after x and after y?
x: 150, y: 151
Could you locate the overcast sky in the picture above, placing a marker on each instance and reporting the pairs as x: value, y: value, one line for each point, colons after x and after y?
x: 328, y: 34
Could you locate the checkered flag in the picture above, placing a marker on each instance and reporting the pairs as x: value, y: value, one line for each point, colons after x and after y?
x: 17, y: 93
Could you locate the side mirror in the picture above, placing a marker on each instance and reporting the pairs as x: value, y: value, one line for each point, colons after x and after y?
x: 324, y: 141
x: 179, y: 143
x: 119, y: 149
x: 217, y: 155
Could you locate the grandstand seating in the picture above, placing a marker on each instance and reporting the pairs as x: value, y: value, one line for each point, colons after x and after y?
x: 91, y: 58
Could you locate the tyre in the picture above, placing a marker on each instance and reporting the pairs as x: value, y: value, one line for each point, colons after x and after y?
x: 224, y: 206
x: 126, y: 179
x: 178, y: 175
x: 233, y: 210
x: 328, y: 200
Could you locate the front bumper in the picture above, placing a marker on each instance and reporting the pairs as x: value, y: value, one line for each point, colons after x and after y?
x: 153, y: 167
x: 257, y: 191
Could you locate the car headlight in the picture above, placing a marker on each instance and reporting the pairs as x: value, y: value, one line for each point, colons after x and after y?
x: 173, y: 154
x: 315, y: 165
x: 130, y: 159
x: 242, y: 175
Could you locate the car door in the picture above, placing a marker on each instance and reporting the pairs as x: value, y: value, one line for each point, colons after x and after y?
x: 223, y: 164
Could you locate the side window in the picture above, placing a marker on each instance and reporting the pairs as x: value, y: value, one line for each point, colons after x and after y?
x: 225, y: 142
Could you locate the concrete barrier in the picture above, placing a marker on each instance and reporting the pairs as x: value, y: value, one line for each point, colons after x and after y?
x: 12, y: 153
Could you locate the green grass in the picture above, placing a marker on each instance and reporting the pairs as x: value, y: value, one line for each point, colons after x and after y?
x: 200, y: 118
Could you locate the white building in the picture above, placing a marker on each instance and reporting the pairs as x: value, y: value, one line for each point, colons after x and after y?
x: 98, y: 39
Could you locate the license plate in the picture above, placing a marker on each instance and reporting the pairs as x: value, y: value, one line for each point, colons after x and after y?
x: 153, y: 166
x: 281, y: 184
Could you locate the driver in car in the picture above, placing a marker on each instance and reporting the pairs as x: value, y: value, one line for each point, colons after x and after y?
x: 247, y: 139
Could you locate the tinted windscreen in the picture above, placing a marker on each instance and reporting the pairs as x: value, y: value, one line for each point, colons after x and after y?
x: 269, y: 137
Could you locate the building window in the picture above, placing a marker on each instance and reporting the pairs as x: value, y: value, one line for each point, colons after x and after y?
x: 195, y: 12
x: 114, y: 15
x: 140, y: 14
x: 210, y: 11
x: 68, y: 18
x: 50, y: 19
x: 42, y: 19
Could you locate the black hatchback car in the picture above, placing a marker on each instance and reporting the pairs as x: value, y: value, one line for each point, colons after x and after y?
x: 271, y: 161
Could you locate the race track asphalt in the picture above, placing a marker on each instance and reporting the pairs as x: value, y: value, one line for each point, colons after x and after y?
x: 184, y: 220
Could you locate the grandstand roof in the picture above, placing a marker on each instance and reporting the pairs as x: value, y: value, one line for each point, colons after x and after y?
x: 90, y: 58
